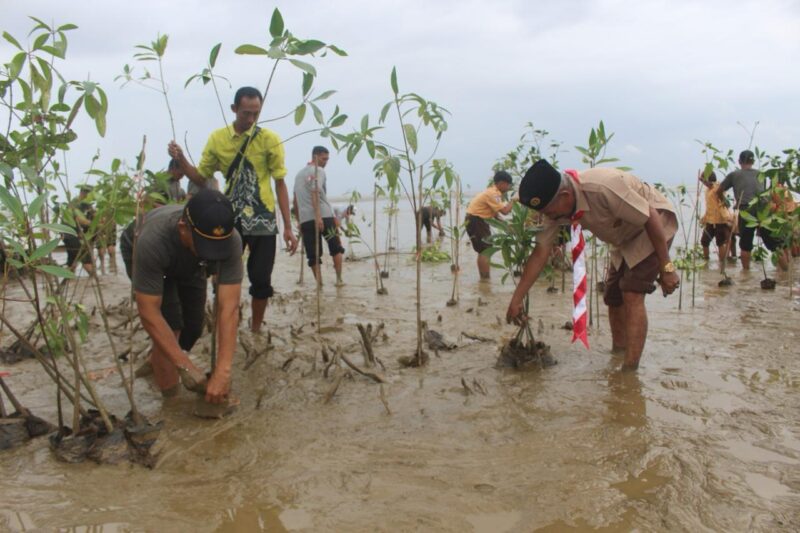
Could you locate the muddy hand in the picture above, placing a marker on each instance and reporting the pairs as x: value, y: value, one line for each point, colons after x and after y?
x: 515, y: 315
x: 669, y: 281
x: 218, y: 388
x: 193, y: 379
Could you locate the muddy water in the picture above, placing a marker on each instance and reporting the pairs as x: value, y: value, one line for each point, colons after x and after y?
x: 705, y: 437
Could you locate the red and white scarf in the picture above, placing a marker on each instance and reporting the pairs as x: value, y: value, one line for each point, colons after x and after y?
x: 579, y: 330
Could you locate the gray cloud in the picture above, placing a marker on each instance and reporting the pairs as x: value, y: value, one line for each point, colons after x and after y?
x: 660, y: 74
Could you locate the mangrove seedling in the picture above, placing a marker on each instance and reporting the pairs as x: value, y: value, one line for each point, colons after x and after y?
x: 514, y: 242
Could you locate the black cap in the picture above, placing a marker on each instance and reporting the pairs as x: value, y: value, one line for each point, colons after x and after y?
x: 502, y: 175
x: 540, y: 185
x: 747, y: 157
x: 85, y: 187
x: 210, y: 217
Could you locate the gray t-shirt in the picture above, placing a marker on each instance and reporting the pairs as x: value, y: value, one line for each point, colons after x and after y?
x: 304, y: 184
x: 160, y: 254
x: 745, y: 185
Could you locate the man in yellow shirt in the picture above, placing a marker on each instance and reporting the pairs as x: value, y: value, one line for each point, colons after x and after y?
x: 248, y: 156
x: 487, y: 204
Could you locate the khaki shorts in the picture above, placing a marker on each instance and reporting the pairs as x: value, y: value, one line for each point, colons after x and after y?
x: 640, y: 278
x: 478, y: 229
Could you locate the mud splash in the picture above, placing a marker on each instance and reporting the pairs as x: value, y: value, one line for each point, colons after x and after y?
x: 704, y: 437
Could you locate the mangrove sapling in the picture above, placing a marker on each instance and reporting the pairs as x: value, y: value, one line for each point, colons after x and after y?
x: 355, y: 237
x: 688, y: 258
x: 396, y: 163
x: 593, y: 154
x: 779, y: 214
x: 527, y: 152
x: 153, y: 52
x: 391, y: 212
x: 549, y: 274
x: 207, y: 75
x: 114, y: 203
x: 760, y: 255
x: 285, y: 47
x: 456, y: 230
x: 514, y: 240
x: 39, y: 130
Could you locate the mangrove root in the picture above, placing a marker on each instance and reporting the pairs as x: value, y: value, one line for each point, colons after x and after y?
x: 516, y: 354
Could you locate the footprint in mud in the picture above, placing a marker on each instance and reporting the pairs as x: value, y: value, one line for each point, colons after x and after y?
x: 484, y: 487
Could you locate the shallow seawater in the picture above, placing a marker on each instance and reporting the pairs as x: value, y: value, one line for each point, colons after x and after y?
x: 704, y: 437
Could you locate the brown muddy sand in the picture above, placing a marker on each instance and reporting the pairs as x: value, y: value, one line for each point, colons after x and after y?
x: 704, y: 437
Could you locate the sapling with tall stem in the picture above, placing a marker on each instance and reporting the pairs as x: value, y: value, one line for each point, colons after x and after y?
x: 593, y: 154
x: 401, y: 166
x: 43, y: 130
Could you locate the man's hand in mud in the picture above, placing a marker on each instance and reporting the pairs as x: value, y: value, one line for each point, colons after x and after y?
x: 515, y: 314
x: 669, y: 281
x: 219, y: 386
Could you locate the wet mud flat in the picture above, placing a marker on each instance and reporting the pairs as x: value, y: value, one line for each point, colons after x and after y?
x: 704, y: 437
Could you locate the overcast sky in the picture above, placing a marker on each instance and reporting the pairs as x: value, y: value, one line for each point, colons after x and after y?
x: 660, y: 74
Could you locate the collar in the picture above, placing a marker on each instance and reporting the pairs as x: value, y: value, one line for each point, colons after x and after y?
x: 235, y: 134
x: 581, y: 203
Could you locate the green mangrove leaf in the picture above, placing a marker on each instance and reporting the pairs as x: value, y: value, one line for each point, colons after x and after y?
x: 276, y: 24
x: 55, y: 270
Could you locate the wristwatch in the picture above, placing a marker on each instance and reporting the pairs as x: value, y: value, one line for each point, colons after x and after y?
x: 668, y: 268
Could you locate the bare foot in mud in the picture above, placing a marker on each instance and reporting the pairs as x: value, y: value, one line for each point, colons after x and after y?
x: 339, y: 283
x: 630, y: 366
x: 618, y: 350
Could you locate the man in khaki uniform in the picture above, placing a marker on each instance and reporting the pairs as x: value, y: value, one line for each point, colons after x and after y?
x: 636, y: 220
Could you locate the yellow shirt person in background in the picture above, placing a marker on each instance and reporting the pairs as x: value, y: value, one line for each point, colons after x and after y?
x: 487, y: 204
x: 717, y: 220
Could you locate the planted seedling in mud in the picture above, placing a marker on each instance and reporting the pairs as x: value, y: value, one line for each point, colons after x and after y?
x: 688, y: 259
x: 778, y: 212
x: 514, y: 241
x: 42, y: 108
x: 456, y: 229
x: 353, y: 233
x: 760, y: 255
x: 402, y: 166
x: 391, y: 211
